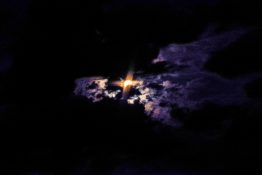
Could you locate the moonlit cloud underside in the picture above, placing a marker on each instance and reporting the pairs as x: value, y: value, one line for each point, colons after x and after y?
x: 188, y: 87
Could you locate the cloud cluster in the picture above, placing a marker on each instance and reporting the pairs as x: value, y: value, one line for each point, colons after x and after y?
x: 184, y: 86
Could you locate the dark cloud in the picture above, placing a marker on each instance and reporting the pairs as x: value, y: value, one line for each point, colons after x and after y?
x: 6, y: 62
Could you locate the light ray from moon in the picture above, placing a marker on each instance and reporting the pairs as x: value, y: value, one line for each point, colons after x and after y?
x: 127, y: 84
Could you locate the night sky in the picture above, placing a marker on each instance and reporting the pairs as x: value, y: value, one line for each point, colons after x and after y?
x: 210, y: 71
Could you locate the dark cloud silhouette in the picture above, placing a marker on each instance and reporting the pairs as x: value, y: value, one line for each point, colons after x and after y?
x: 6, y: 62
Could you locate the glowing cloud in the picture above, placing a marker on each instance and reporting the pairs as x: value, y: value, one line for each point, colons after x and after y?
x: 189, y: 87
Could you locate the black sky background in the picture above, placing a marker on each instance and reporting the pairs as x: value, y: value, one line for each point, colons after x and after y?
x: 46, y: 45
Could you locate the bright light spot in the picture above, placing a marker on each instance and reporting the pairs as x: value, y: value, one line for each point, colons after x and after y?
x: 128, y: 83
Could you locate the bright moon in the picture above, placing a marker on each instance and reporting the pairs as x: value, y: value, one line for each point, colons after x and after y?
x: 128, y: 83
